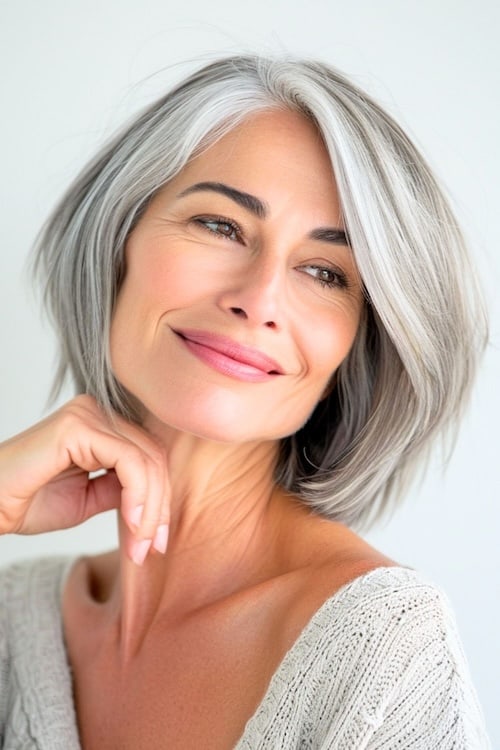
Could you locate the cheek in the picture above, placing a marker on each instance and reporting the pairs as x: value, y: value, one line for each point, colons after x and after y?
x: 169, y: 278
x: 159, y: 278
x: 133, y: 323
x: 154, y: 283
x: 157, y: 281
x: 331, y: 338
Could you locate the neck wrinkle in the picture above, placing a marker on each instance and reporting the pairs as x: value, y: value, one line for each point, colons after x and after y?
x: 221, y: 528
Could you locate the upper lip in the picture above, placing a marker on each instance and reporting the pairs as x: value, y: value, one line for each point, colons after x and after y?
x: 230, y: 348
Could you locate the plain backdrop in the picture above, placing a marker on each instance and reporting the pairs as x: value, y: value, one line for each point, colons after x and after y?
x: 72, y: 70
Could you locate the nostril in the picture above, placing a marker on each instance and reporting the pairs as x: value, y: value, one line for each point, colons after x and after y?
x: 241, y: 313
x: 238, y: 311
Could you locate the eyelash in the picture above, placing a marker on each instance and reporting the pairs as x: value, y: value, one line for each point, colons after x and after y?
x: 203, y: 222
x: 339, y: 279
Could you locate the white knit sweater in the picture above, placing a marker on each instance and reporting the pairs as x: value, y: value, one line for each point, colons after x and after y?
x: 379, y: 665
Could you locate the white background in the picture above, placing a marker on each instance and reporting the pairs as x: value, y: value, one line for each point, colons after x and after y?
x: 72, y: 70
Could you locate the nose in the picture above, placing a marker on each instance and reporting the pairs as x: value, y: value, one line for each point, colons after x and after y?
x: 257, y: 295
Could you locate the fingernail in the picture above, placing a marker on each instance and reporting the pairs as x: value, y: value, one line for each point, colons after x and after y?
x: 136, y: 515
x: 161, y: 538
x: 139, y: 550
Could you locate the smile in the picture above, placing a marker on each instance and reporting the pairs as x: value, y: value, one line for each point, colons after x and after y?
x: 230, y: 358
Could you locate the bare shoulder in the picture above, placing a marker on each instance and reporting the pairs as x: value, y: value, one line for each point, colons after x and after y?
x: 348, y: 552
x: 331, y: 554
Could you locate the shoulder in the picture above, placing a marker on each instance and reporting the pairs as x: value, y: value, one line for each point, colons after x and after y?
x: 393, y: 612
x: 30, y: 596
x: 392, y: 634
x: 32, y: 656
x: 381, y: 608
x: 379, y: 665
x: 391, y: 594
x: 25, y: 583
x: 389, y: 620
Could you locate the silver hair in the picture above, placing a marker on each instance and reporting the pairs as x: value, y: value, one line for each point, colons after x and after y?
x: 410, y: 369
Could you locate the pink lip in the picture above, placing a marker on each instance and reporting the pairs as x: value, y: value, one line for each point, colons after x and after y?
x: 229, y: 357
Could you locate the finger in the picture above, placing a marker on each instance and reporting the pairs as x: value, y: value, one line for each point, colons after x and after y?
x: 160, y: 541
x: 140, y: 466
x: 91, y: 449
x: 143, y: 512
x: 148, y: 517
x: 152, y: 518
x: 104, y: 493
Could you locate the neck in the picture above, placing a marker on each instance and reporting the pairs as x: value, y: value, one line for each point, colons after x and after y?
x: 213, y: 486
x: 226, y: 515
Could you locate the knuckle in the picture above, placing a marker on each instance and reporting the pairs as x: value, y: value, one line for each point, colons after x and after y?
x: 80, y: 408
x: 75, y: 409
x: 66, y: 420
x: 131, y: 452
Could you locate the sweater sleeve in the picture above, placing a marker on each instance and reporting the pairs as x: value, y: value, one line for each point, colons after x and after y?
x: 36, y: 701
x: 4, y: 664
x: 424, y: 694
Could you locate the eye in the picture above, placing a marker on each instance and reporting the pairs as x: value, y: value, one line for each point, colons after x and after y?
x: 220, y: 226
x: 327, y: 277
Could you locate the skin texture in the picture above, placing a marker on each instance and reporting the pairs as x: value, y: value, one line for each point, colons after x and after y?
x: 260, y: 289
x: 207, y: 623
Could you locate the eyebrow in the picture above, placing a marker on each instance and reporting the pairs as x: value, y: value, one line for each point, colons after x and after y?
x: 245, y: 200
x: 260, y: 209
x: 330, y: 234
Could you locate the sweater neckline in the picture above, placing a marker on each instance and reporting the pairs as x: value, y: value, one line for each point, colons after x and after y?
x: 303, y: 645
x: 37, y: 598
x: 308, y: 636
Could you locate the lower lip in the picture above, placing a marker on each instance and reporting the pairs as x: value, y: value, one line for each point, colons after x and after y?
x: 227, y: 366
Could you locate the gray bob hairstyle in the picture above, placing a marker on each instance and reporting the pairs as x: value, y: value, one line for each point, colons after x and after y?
x: 409, y: 371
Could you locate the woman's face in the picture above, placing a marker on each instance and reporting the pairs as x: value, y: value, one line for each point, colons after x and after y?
x: 241, y: 297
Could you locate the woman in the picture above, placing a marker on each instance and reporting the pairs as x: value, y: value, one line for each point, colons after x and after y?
x: 266, y: 307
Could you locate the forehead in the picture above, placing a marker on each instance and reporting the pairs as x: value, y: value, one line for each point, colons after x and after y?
x: 277, y: 155
x: 269, y: 136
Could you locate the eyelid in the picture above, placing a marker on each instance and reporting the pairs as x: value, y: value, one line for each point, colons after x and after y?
x: 342, y: 280
x: 215, y: 219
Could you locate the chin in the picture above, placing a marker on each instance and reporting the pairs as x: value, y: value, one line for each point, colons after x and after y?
x: 220, y: 419
x: 213, y: 419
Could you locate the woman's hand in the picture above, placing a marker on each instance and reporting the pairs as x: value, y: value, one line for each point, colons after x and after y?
x: 45, y: 484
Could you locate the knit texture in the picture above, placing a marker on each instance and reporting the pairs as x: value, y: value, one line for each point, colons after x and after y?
x: 379, y: 666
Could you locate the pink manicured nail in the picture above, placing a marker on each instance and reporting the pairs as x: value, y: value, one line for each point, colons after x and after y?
x: 140, y: 550
x: 161, y: 538
x: 136, y: 515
